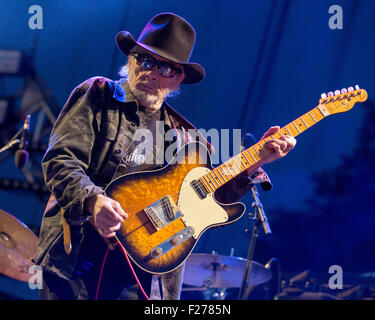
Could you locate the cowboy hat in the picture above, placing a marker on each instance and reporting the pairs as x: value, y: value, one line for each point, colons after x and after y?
x: 169, y: 36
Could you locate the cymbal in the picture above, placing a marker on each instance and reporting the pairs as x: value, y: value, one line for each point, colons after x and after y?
x: 17, y: 245
x: 218, y: 271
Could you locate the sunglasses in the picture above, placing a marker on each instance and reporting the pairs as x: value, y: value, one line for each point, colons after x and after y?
x: 164, y: 69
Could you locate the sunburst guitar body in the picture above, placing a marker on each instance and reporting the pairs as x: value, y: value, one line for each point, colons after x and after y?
x: 169, y: 209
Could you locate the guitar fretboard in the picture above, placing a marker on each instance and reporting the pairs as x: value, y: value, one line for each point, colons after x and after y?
x: 230, y: 169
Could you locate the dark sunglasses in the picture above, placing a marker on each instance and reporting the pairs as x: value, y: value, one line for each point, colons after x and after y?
x: 164, y: 69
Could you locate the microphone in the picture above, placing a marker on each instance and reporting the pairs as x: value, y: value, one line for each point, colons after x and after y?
x: 22, y: 156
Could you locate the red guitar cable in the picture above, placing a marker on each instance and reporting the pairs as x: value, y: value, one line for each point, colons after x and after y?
x: 131, y: 268
x: 100, y: 274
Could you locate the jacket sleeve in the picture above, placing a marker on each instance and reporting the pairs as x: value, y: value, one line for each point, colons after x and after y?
x: 69, y: 150
x: 236, y: 189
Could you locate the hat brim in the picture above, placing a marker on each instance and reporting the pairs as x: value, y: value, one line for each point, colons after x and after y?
x: 194, y: 72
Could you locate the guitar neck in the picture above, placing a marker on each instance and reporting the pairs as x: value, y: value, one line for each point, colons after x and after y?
x: 230, y: 169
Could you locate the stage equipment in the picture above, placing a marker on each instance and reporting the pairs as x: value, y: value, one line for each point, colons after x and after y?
x: 17, y: 245
x: 217, y: 271
x: 12, y: 61
x: 37, y: 110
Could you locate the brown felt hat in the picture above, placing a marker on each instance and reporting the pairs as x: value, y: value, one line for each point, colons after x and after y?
x: 169, y: 36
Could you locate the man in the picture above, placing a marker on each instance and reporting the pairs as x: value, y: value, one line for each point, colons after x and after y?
x: 93, y: 142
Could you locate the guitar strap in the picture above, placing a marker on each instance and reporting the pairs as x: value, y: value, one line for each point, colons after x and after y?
x: 65, y: 225
x: 178, y: 121
x: 66, y: 233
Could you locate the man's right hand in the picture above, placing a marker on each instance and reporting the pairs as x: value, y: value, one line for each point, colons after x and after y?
x: 107, y: 214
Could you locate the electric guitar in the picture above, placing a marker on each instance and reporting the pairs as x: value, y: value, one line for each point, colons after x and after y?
x: 170, y: 208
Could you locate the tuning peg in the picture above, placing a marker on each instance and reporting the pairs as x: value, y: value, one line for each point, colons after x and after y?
x: 356, y: 87
x: 323, y: 95
x: 343, y: 90
x: 350, y: 89
x: 330, y: 94
x: 337, y: 92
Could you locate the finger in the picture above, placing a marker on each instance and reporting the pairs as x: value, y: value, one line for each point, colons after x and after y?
x: 107, y: 234
x: 119, y: 210
x: 112, y: 213
x: 291, y: 142
x: 108, y: 217
x: 102, y: 225
x: 112, y: 228
x: 283, y: 145
x: 103, y: 222
x: 270, y: 131
x: 108, y: 227
x: 277, y: 145
x: 290, y: 139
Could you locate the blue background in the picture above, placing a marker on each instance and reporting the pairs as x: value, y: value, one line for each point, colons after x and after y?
x: 266, y: 62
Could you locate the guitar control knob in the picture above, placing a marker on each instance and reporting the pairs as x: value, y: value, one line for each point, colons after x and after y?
x: 156, y: 252
x: 173, y: 241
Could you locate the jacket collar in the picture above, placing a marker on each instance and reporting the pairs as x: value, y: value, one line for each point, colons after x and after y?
x: 170, y: 116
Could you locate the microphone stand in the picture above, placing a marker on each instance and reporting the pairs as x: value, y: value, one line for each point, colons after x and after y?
x: 259, y: 218
x: 12, y: 142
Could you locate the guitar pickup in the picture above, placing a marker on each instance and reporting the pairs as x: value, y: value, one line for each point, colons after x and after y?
x: 162, y: 212
x: 199, y: 189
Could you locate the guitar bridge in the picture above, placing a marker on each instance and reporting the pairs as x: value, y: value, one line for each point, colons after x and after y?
x: 162, y: 212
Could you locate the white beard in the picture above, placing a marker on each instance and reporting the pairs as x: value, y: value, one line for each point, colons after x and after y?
x: 149, y: 101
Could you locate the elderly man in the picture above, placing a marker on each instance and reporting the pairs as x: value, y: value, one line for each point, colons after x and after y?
x: 93, y: 142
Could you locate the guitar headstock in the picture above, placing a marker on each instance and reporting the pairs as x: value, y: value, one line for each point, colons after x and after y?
x: 342, y: 101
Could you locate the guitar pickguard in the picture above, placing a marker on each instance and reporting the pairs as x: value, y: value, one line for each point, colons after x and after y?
x: 199, y: 213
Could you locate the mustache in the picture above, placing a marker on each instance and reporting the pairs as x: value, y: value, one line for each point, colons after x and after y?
x: 147, y: 85
x: 158, y: 91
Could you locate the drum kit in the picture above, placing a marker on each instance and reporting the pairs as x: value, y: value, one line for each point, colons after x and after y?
x: 213, y: 274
